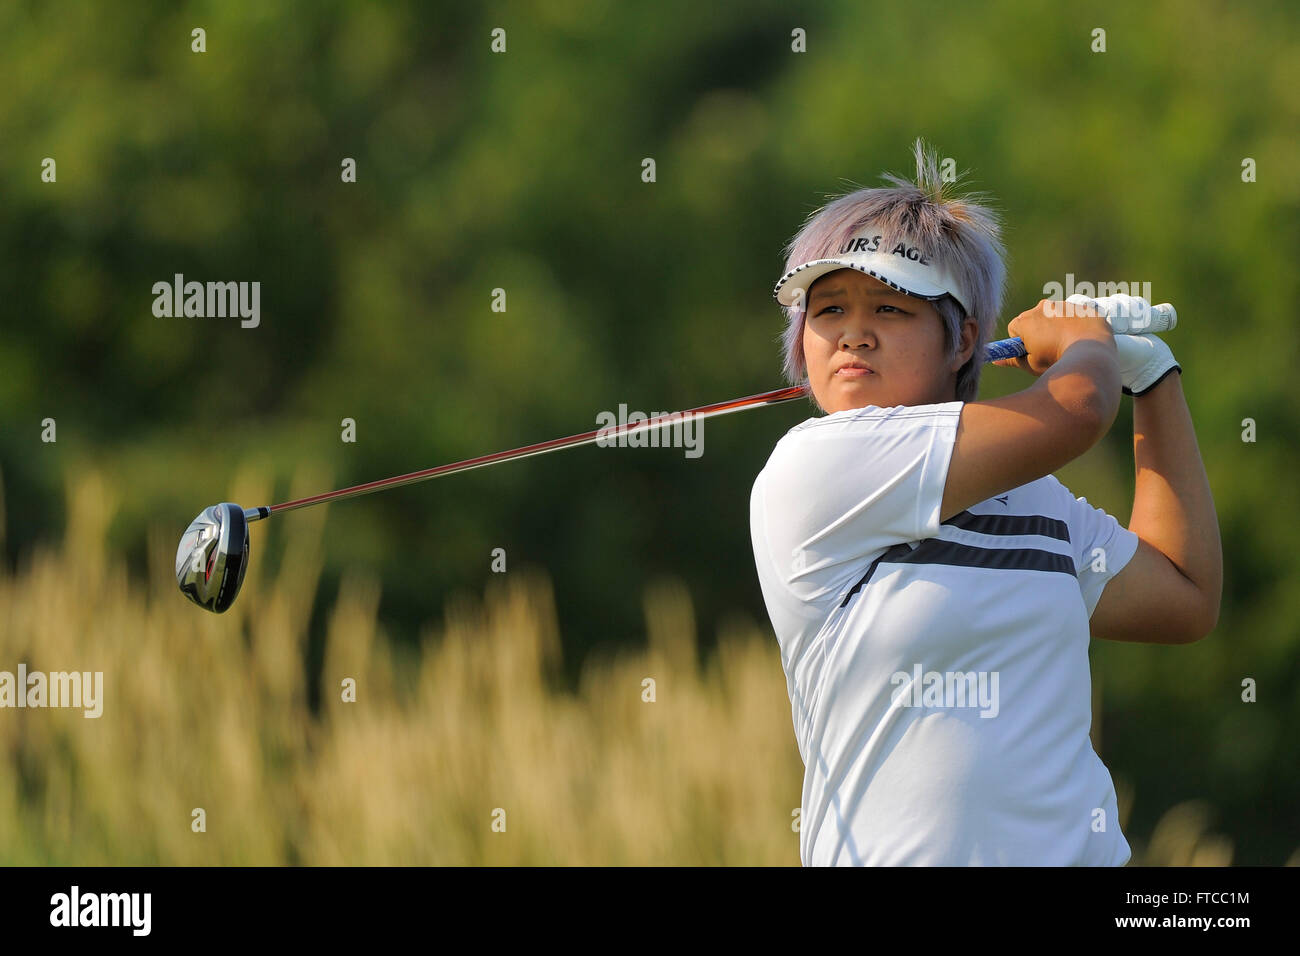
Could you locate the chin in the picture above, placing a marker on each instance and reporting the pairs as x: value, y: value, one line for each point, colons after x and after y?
x: 858, y: 395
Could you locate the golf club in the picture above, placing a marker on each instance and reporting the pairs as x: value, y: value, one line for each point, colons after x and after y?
x: 213, y: 553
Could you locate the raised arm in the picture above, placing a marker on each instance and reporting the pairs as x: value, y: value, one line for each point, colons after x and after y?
x: 1169, y: 592
x: 1006, y: 442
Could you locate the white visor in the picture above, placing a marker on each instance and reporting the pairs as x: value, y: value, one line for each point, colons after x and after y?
x: 898, y: 265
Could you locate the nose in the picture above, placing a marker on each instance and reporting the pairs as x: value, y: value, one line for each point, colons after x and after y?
x: 856, y: 331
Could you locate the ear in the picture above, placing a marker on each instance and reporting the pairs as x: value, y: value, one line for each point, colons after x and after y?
x: 969, y: 334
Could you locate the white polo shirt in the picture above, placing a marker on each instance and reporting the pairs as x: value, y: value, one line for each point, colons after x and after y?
x: 938, y: 672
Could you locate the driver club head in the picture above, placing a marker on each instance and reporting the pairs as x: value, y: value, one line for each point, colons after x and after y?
x: 212, y: 557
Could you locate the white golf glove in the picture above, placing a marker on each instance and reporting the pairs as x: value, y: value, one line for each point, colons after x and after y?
x: 1144, y: 359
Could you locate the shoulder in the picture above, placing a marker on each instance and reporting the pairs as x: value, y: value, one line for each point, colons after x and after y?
x: 872, y: 419
x: 829, y: 439
x: 859, y: 449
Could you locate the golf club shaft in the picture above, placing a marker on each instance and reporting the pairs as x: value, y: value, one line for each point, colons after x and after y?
x: 541, y: 448
x: 1004, y: 348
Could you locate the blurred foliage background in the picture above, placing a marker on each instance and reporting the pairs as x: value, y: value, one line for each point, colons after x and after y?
x: 522, y: 171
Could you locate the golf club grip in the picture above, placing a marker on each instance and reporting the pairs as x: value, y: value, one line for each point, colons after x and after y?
x: 1004, y: 349
x: 1163, y: 318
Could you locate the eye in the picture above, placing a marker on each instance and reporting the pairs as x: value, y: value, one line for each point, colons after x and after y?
x: 885, y: 305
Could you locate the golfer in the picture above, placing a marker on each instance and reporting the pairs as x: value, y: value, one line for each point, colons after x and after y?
x: 932, y: 586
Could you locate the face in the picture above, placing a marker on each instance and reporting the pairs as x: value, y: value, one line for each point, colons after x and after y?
x: 856, y: 320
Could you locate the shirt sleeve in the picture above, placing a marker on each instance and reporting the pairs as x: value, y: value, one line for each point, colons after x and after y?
x: 1102, y: 546
x: 839, y: 490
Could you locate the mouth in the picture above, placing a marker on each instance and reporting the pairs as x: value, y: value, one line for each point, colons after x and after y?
x: 854, y: 371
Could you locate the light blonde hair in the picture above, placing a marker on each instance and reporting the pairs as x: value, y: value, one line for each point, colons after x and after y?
x: 960, y: 232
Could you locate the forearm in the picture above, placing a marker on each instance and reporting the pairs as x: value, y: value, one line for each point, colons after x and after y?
x: 1173, y: 508
x: 1086, y: 378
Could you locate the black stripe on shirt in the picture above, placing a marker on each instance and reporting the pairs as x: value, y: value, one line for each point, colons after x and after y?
x: 1010, y: 524
x: 893, y: 554
x: 938, y: 551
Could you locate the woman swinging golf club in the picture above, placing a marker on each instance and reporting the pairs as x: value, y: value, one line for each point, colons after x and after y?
x: 932, y: 586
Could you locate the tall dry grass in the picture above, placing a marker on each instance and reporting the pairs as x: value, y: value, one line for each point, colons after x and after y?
x: 211, y: 712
